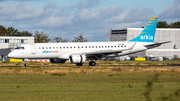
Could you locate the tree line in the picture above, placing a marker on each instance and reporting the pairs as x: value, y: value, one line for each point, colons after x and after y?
x: 39, y: 37
x: 164, y: 24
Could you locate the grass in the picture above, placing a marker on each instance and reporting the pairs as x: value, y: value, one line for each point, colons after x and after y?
x: 112, y: 81
x: 102, y: 67
x: 89, y: 87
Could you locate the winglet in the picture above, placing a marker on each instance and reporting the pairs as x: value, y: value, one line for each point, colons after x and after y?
x: 148, y: 33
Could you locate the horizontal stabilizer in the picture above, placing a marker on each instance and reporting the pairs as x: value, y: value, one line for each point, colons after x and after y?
x: 157, y: 44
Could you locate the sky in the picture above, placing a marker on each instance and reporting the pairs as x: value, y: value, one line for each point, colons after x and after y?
x: 91, y: 18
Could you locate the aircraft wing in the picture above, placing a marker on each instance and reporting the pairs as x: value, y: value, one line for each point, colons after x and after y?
x: 156, y: 44
x: 99, y: 54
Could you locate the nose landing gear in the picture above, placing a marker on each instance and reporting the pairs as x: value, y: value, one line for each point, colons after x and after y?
x: 26, y: 63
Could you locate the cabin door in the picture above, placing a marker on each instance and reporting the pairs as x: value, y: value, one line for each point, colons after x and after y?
x: 33, y: 48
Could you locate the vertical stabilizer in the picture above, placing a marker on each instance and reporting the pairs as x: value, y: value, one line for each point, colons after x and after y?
x: 148, y: 33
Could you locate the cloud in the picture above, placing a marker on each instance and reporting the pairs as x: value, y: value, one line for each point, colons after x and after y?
x: 63, y: 11
x: 23, y: 11
x: 69, y: 21
x: 52, y: 22
x: 171, y: 11
x: 87, y: 4
x: 135, y: 14
x: 101, y: 13
x: 87, y: 21
x: 86, y: 17
x: 94, y: 22
x: 128, y: 25
x: 18, y: 0
x: 2, y: 0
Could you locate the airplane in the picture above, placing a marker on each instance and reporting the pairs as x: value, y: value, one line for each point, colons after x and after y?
x: 79, y: 52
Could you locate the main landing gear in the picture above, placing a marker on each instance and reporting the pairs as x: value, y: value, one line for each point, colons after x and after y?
x: 92, y: 63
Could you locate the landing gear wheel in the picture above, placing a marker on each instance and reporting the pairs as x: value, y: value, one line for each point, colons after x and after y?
x: 92, y: 63
x: 78, y: 64
x: 26, y: 64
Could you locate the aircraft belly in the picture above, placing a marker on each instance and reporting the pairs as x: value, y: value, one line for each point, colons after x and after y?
x: 65, y: 56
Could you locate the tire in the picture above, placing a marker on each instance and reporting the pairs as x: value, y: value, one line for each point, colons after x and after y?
x: 92, y: 63
x: 78, y: 64
x: 25, y: 64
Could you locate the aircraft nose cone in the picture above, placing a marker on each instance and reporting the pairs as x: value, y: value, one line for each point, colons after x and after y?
x: 10, y: 55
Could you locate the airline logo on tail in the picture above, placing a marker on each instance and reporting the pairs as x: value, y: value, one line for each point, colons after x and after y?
x: 146, y: 37
x: 148, y: 33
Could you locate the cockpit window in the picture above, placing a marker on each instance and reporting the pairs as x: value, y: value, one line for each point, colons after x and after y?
x: 19, y: 48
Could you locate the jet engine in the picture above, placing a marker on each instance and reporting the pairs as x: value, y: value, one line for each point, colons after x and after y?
x: 57, y: 61
x: 77, y: 59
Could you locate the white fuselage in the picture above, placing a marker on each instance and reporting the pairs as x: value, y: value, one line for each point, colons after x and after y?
x: 64, y: 50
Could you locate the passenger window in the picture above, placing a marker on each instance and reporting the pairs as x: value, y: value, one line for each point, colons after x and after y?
x: 105, y: 46
x: 81, y: 46
x: 92, y: 46
x: 89, y: 46
x: 49, y: 47
x: 99, y: 46
x: 42, y: 47
x: 111, y: 46
x: 70, y: 47
x: 64, y: 47
x: 60, y: 47
x: 108, y: 46
x: 46, y: 47
x: 56, y: 47
x: 53, y: 47
x: 85, y: 46
x: 114, y: 46
x: 39, y: 47
x: 74, y: 47
x: 102, y: 46
x: 67, y: 47
x: 125, y: 46
x: 96, y: 46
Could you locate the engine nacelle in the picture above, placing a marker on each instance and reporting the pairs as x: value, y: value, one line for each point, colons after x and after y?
x: 77, y: 58
x: 57, y: 61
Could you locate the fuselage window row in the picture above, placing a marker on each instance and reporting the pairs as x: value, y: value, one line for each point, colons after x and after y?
x: 82, y: 47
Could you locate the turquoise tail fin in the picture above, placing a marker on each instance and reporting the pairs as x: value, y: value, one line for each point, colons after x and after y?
x: 148, y: 33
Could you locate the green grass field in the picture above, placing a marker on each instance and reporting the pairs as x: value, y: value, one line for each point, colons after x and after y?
x: 87, y: 87
x: 67, y: 82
